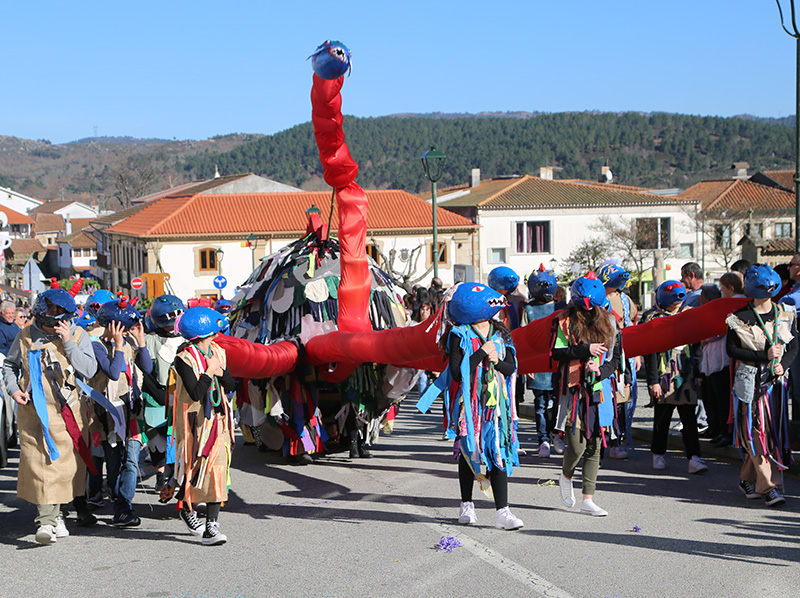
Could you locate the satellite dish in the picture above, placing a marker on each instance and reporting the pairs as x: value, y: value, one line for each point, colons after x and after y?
x: 608, y: 176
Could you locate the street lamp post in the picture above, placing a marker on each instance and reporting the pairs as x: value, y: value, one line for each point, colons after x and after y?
x: 433, y: 164
x: 220, y: 255
x: 252, y: 243
x: 795, y: 33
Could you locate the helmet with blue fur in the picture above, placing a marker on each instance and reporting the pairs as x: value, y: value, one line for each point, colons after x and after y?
x: 472, y: 302
x: 86, y: 321
x: 120, y: 311
x: 542, y: 284
x: 588, y: 292
x: 165, y: 310
x: 669, y: 293
x: 200, y: 322
x: 503, y: 279
x: 761, y: 282
x: 97, y: 299
x: 223, y: 306
x: 58, y: 297
x: 613, y: 276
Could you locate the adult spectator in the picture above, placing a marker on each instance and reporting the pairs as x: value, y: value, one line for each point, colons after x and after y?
x: 692, y: 279
x: 8, y: 328
x: 21, y: 318
x: 792, y: 298
x: 436, y: 292
x: 740, y: 266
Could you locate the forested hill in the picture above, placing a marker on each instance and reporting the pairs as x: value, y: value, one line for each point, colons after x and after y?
x: 654, y: 150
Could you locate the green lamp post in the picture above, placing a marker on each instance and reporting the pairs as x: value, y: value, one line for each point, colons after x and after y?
x: 252, y: 243
x: 433, y: 164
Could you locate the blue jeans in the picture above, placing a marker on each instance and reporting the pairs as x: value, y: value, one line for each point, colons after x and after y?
x: 122, y: 474
x: 545, y: 413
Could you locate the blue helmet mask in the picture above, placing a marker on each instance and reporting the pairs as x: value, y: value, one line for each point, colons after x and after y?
x: 613, y: 276
x: 761, y: 282
x: 120, y: 311
x: 223, y: 306
x: 473, y: 302
x: 542, y: 284
x: 165, y: 310
x: 669, y: 293
x: 97, y: 299
x: 86, y: 321
x: 331, y: 60
x: 54, y: 297
x: 200, y: 322
x: 588, y: 292
x: 503, y: 279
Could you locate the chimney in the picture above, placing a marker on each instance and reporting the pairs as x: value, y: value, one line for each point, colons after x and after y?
x: 546, y: 172
x: 474, y: 177
x: 740, y: 170
x: 67, y: 226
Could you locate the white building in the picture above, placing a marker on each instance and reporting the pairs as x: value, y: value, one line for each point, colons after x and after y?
x: 17, y: 201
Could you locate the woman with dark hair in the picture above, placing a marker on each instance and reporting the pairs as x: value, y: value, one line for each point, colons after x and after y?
x: 586, y: 346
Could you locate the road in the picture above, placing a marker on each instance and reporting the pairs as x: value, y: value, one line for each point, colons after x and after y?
x: 370, y: 527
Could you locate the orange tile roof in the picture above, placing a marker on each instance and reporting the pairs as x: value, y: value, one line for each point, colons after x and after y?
x: 23, y: 249
x: 244, y: 213
x: 47, y: 223
x: 779, y: 246
x: 733, y: 195
x: 782, y: 177
x: 79, y: 239
x: 533, y: 192
x: 15, y: 217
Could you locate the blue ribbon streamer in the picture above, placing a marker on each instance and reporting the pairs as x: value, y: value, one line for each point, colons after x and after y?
x: 40, y: 401
x: 105, y: 403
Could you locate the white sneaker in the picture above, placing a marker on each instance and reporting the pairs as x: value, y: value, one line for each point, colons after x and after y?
x: 46, y: 534
x: 505, y: 519
x: 589, y: 508
x: 659, y: 462
x: 467, y: 514
x: 212, y: 536
x: 567, y: 495
x: 61, y: 528
x: 617, y: 452
x: 696, y: 465
x: 544, y: 450
x: 558, y: 443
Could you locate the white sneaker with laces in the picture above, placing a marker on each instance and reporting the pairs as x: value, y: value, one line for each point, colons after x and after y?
x: 589, y: 508
x: 212, y: 536
x: 659, y: 462
x: 696, y: 465
x: 558, y: 443
x: 617, y: 452
x: 505, y: 519
x: 567, y: 495
x: 544, y: 450
x: 467, y: 514
x: 61, y: 528
x: 192, y: 522
x: 46, y: 534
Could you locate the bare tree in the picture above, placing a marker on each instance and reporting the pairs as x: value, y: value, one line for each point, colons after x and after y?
x: 137, y: 178
x: 589, y: 254
x: 404, y: 271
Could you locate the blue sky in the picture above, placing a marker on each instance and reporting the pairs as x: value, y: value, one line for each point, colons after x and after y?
x: 190, y: 70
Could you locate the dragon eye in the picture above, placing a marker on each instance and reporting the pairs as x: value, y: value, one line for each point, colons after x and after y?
x: 477, y: 289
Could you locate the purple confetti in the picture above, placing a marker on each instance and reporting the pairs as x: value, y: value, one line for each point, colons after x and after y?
x: 636, y: 528
x: 448, y: 543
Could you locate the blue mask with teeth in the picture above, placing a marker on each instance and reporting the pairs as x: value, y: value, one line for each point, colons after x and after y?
x: 473, y: 302
x: 761, y: 282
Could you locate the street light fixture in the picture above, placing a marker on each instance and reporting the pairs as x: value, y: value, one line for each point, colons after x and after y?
x: 252, y: 243
x: 795, y: 33
x: 220, y: 254
x: 433, y: 164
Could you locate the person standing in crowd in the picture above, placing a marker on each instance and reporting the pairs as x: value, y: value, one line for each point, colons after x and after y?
x: 8, y: 326
x: 481, y: 416
x: 761, y: 340
x: 436, y: 292
x: 671, y: 382
x: 203, y: 422
x: 117, y: 394
x: 39, y: 372
x: 587, y: 349
x: 792, y: 299
x: 715, y: 371
x: 542, y: 286
x: 614, y: 279
x: 692, y: 280
x: 21, y: 317
x: 740, y: 266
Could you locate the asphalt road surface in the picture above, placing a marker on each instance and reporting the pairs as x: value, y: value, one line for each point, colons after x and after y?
x: 371, y: 527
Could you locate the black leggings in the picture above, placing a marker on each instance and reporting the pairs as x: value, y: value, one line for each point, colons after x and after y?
x: 212, y: 510
x: 497, y: 477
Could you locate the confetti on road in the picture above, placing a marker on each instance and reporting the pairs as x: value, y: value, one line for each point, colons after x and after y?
x: 448, y: 543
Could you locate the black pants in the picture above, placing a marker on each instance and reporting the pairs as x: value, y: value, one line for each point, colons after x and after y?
x: 497, y: 477
x: 662, y: 416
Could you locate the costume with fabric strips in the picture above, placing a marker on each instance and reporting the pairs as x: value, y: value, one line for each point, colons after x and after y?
x: 761, y: 419
x: 203, y: 427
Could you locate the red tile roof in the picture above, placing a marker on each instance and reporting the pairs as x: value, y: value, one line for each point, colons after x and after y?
x: 782, y: 177
x: 16, y: 217
x: 47, y: 223
x: 79, y: 239
x: 244, y: 213
x: 738, y: 195
x: 24, y: 249
x: 779, y: 246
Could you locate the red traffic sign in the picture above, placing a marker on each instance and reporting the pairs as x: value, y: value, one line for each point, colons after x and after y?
x: 137, y: 283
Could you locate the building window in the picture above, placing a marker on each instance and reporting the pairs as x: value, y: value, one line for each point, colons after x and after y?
x: 652, y: 233
x: 756, y: 230
x: 208, y: 260
x: 497, y: 255
x: 722, y: 236
x: 442, y: 253
x: 533, y: 237
x: 372, y: 251
x: 687, y: 250
x: 783, y: 229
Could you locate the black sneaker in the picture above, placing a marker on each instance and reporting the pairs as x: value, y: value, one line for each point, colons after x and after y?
x: 749, y: 489
x: 126, y: 520
x: 192, y: 522
x: 160, y: 481
x: 773, y: 498
x: 86, y: 519
x: 212, y: 536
